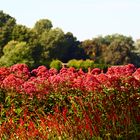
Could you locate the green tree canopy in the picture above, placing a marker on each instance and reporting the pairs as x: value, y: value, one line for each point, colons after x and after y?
x: 42, y: 25
x: 16, y: 52
x: 74, y: 49
x: 50, y: 40
x: 113, y: 49
x: 22, y: 33
x: 119, y: 51
x: 58, y: 45
x: 6, y: 26
x: 94, y: 48
x: 42, y: 44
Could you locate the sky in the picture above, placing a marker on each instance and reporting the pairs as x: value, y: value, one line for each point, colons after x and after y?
x: 86, y: 19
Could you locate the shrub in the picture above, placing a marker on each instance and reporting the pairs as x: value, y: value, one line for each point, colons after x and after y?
x: 74, y: 63
x: 69, y: 104
x: 87, y: 64
x: 57, y: 64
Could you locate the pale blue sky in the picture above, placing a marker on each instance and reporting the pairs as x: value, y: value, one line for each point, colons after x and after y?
x: 84, y: 18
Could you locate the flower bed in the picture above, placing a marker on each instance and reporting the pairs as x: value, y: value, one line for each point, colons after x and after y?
x: 69, y: 104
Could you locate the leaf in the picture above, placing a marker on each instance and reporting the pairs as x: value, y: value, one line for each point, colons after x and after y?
x: 18, y: 111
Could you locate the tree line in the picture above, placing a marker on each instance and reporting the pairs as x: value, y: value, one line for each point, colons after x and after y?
x: 42, y: 43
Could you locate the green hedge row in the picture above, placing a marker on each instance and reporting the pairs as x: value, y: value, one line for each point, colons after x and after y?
x: 77, y: 64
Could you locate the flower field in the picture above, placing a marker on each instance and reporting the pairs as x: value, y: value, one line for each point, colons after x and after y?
x: 44, y: 104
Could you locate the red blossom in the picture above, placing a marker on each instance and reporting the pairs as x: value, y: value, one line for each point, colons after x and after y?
x: 136, y: 74
x: 13, y: 83
x: 96, y: 71
x: 20, y: 71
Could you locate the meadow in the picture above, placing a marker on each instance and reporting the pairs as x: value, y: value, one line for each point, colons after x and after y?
x: 70, y: 104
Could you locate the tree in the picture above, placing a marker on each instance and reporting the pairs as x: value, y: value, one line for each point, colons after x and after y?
x: 94, y: 48
x: 22, y: 33
x: 113, y: 49
x: 36, y: 53
x: 119, y: 51
x: 42, y: 25
x: 57, y: 45
x: 7, y: 24
x: 136, y: 54
x: 73, y: 47
x: 16, y: 52
x: 50, y: 40
x: 88, y: 47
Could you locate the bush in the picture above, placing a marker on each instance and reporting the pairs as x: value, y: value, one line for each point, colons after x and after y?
x: 103, y: 67
x: 87, y: 64
x: 69, y: 104
x: 57, y: 64
x: 74, y: 63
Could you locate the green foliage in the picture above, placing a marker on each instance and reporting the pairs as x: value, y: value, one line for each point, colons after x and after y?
x: 42, y: 25
x: 87, y: 64
x: 2, y: 96
x: 113, y: 49
x: 36, y: 54
x: 119, y: 50
x: 57, y: 45
x: 84, y: 64
x: 6, y: 26
x: 73, y: 48
x: 75, y: 63
x: 46, y: 44
x: 22, y: 33
x: 57, y: 64
x: 102, y: 66
x: 50, y: 40
x: 135, y: 55
x: 16, y: 52
x: 94, y: 48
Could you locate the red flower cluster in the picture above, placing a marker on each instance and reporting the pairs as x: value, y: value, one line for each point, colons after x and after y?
x: 42, y: 81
